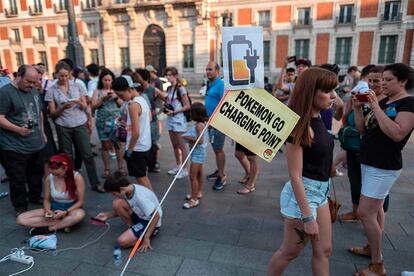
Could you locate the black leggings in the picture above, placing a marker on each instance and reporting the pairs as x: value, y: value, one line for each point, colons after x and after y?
x: 354, y: 175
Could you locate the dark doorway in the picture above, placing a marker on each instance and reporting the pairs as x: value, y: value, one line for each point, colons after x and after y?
x: 154, y: 47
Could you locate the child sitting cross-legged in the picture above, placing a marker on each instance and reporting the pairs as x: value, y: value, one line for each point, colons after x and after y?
x: 135, y: 205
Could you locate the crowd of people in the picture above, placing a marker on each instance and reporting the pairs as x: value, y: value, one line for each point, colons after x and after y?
x: 128, y: 111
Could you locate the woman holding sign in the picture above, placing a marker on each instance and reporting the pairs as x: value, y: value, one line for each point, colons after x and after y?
x: 303, y: 201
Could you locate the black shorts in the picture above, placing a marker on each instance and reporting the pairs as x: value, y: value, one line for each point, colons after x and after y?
x: 244, y: 150
x: 138, y: 163
x: 139, y: 226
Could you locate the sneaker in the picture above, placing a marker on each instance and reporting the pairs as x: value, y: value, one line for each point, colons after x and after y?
x: 112, y: 154
x: 338, y: 173
x: 39, y: 231
x: 157, y: 167
x: 173, y: 171
x: 213, y: 176
x: 219, y: 183
x: 182, y: 174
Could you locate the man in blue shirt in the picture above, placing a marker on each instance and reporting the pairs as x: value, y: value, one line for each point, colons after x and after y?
x: 215, y: 91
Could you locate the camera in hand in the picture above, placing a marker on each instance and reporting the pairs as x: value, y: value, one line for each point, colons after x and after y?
x: 30, y: 124
x: 167, y: 108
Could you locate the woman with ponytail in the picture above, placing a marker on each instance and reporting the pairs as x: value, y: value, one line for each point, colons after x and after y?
x: 64, y: 191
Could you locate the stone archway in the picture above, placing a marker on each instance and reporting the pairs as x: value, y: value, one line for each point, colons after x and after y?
x: 154, y: 47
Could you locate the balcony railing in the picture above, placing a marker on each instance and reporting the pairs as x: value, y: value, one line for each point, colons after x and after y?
x: 90, y: 4
x: 35, y: 10
x: 89, y: 37
x: 300, y: 24
x: 12, y: 12
x: 62, y: 39
x: 343, y: 22
x: 37, y: 40
x: 15, y: 41
x: 391, y: 19
x: 60, y: 8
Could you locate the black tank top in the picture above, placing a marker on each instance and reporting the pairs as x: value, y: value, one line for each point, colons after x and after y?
x: 317, y: 159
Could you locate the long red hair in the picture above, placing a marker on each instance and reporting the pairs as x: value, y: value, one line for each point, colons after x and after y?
x: 69, y: 177
x: 301, y: 101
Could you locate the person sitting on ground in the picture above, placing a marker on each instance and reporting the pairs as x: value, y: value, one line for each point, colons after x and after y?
x: 135, y: 205
x: 64, y: 193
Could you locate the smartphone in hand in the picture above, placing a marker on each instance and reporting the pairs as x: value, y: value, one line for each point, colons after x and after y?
x: 362, y: 97
x: 96, y: 221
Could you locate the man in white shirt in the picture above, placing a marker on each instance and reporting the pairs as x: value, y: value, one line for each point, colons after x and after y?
x: 135, y: 205
x: 138, y: 142
x: 93, y: 70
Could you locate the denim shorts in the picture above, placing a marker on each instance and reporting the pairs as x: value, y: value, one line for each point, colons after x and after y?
x: 377, y: 183
x: 198, y: 155
x: 62, y: 206
x: 176, y: 125
x: 217, y: 138
x: 316, y: 194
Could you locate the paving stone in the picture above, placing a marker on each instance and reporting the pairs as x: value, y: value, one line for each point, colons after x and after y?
x: 203, y: 268
x: 95, y: 270
x: 250, y: 258
x: 155, y: 264
x: 209, y: 233
x: 260, y: 240
x: 187, y: 248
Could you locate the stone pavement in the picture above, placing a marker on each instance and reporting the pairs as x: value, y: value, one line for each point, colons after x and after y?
x: 228, y: 234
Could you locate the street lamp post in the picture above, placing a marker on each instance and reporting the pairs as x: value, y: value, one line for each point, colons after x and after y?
x: 74, y: 49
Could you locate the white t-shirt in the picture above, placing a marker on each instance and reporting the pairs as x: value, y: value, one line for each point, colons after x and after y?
x: 144, y: 202
x: 92, y: 86
x: 144, y: 140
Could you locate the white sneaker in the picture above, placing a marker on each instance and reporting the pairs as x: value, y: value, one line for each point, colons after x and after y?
x: 173, y: 171
x: 182, y: 174
x: 339, y: 173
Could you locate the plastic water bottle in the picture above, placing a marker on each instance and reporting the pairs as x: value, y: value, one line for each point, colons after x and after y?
x: 117, y: 256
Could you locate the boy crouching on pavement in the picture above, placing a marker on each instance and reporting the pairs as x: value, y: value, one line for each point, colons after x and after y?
x: 135, y: 205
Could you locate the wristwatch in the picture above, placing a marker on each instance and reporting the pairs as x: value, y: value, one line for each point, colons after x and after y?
x: 308, y: 219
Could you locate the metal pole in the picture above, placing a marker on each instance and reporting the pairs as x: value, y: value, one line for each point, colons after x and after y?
x: 74, y: 49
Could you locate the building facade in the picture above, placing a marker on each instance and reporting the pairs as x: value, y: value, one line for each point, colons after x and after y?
x: 187, y: 33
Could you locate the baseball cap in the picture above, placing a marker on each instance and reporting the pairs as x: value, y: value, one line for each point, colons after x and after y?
x: 150, y: 68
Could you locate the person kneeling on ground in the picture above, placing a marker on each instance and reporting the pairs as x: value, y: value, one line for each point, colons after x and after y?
x: 64, y: 192
x: 135, y: 205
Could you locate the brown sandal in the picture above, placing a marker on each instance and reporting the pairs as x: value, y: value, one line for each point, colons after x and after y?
x: 246, y: 190
x: 361, y: 251
x: 377, y: 268
x: 106, y: 173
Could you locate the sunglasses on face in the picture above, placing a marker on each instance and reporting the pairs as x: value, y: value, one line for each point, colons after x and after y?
x: 54, y: 165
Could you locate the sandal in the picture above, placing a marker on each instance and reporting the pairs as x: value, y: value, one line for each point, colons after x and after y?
x: 376, y: 268
x: 123, y: 171
x: 191, y: 204
x: 188, y: 196
x: 246, y: 190
x: 361, y: 251
x: 99, y: 189
x: 349, y: 217
x: 106, y: 173
x: 244, y: 180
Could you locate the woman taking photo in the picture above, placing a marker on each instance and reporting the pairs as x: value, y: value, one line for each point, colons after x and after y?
x: 64, y: 192
x: 309, y: 150
x: 67, y: 106
x: 386, y: 130
x: 176, y: 104
x: 106, y: 103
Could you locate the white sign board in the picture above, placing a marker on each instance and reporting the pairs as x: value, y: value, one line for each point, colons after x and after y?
x: 242, y: 57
